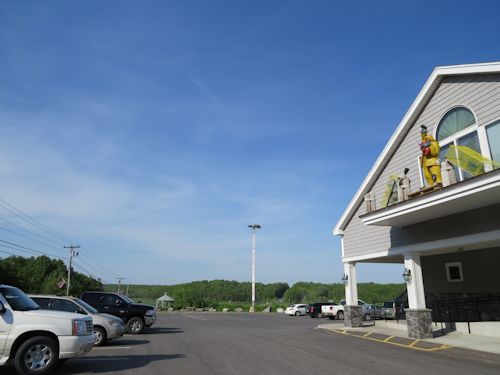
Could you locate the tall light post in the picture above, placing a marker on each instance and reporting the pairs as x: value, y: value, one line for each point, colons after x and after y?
x: 254, y: 227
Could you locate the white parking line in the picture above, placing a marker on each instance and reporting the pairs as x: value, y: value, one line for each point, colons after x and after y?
x: 194, y: 317
x: 111, y: 347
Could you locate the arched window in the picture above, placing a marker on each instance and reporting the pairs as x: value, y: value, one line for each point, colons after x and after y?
x: 456, y: 120
x: 459, y: 127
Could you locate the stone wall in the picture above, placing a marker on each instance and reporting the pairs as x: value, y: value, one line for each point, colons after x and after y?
x: 419, y: 323
x: 352, y: 316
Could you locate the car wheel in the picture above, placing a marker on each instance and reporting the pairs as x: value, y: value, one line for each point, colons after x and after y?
x: 340, y: 315
x: 319, y: 315
x: 100, y: 336
x: 38, y: 355
x: 135, y: 325
x: 297, y: 313
x: 367, y: 317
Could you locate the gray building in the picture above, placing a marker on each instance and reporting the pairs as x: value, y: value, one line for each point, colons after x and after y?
x: 448, y: 239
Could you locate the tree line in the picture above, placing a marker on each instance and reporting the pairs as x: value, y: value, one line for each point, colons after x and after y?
x: 43, y: 275
x: 226, y: 293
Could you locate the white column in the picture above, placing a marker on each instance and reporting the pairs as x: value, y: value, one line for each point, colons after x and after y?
x: 351, y: 289
x: 415, y: 287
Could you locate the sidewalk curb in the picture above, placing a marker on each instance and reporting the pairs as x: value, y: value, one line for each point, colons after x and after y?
x: 404, y: 342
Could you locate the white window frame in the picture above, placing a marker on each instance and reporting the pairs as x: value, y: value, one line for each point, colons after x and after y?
x: 454, y: 264
x: 487, y: 143
x: 477, y: 127
x: 421, y: 172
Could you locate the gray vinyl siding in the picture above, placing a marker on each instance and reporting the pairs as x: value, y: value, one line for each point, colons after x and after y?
x: 480, y: 93
x: 479, y: 270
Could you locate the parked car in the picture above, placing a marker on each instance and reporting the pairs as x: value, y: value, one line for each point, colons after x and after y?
x: 106, y: 326
x: 136, y: 316
x: 35, y: 340
x: 368, y: 311
x: 297, y: 309
x: 314, y: 309
x: 394, y: 310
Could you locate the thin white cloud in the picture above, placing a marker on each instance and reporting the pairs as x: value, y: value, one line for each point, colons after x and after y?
x: 208, y: 93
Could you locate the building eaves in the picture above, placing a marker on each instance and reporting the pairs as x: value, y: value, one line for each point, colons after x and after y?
x: 408, y: 120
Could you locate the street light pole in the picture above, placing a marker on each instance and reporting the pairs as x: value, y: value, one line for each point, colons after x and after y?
x: 254, y: 227
x: 119, y: 284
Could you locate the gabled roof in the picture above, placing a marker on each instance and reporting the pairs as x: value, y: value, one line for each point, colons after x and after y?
x: 165, y: 298
x: 408, y: 120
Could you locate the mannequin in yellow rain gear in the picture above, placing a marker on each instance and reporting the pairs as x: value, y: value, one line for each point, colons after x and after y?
x: 430, y: 158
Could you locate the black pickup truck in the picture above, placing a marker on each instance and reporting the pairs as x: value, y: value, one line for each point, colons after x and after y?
x: 314, y: 309
x: 136, y: 316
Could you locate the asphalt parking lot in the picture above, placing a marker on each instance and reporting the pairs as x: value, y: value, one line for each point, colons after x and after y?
x: 242, y: 343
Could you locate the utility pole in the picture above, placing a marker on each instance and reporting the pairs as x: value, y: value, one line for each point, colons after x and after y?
x: 72, y: 253
x: 254, y: 227
x: 119, y: 283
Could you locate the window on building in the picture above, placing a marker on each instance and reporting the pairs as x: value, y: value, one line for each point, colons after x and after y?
x: 493, y: 133
x: 455, y: 120
x: 454, y: 272
x: 459, y: 127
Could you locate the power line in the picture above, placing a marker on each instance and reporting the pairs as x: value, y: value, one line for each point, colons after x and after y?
x: 92, y: 262
x: 6, y: 252
x: 92, y: 266
x: 24, y: 249
x: 26, y: 237
x: 32, y: 221
x: 27, y: 249
x: 99, y: 264
x: 72, y: 253
x: 30, y: 231
x: 79, y: 266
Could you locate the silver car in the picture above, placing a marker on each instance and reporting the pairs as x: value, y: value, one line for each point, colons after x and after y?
x: 106, y: 327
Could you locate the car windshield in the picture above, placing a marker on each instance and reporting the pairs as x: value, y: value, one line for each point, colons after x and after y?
x: 18, y: 300
x: 127, y: 299
x: 388, y: 304
x: 85, y: 306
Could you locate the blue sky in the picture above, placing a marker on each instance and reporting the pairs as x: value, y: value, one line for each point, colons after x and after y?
x: 152, y: 133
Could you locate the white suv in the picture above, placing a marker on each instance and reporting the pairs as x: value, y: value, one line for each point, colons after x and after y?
x: 36, y: 339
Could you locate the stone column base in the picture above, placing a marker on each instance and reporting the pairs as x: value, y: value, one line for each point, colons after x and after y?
x: 419, y: 322
x: 352, y: 316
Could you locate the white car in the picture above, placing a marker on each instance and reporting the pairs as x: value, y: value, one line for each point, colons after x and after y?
x: 35, y: 340
x: 297, y: 309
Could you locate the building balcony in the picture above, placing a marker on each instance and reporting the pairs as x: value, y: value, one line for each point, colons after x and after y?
x: 480, y: 191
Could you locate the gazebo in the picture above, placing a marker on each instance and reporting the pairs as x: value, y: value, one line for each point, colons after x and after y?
x: 164, y: 299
